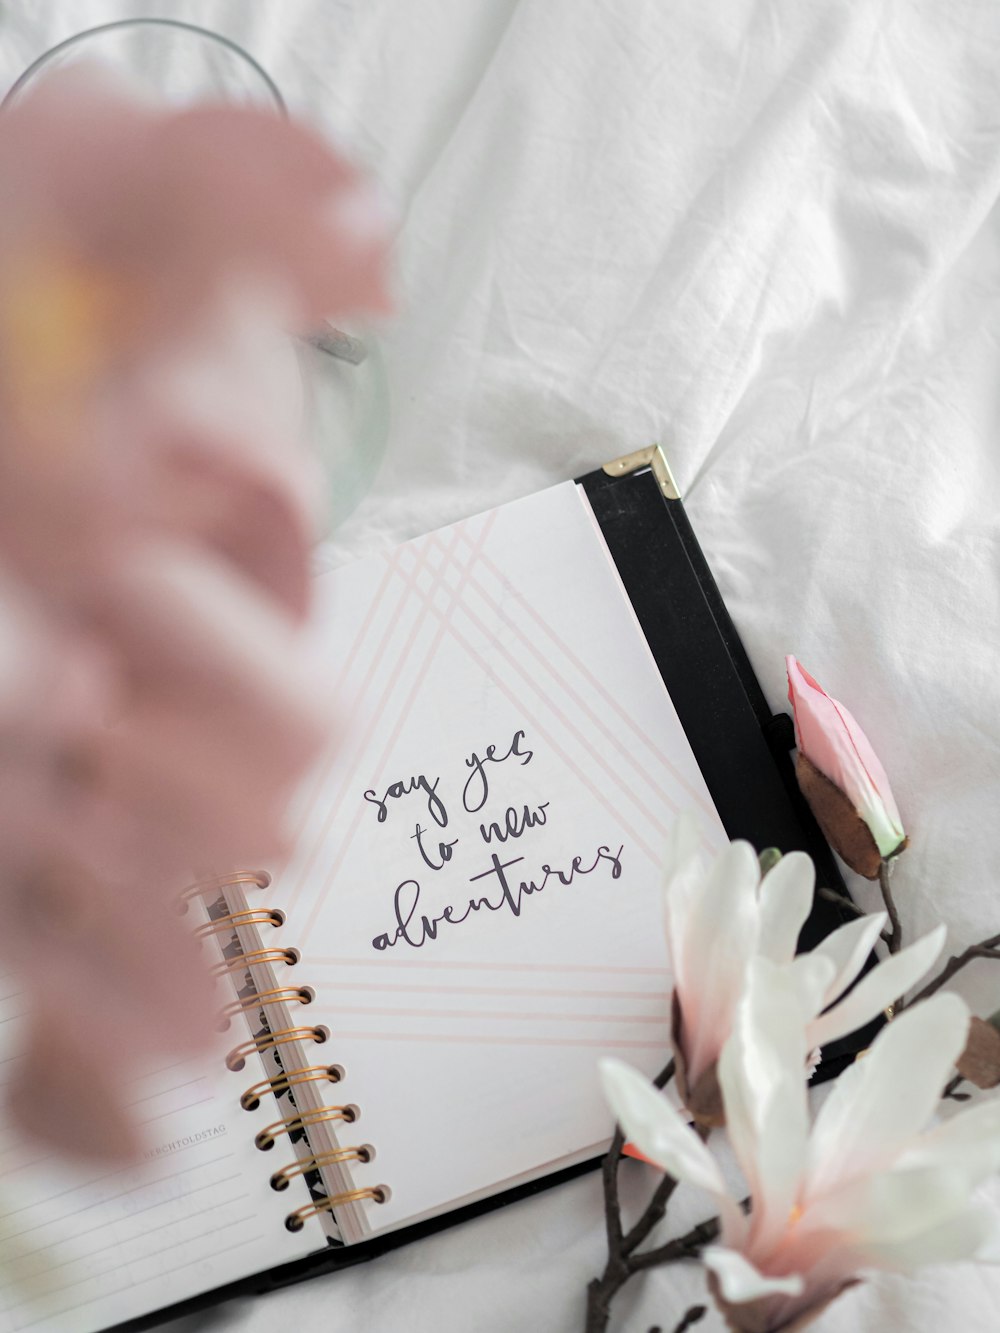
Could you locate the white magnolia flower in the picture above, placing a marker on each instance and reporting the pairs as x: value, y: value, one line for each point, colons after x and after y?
x: 868, y: 1186
x: 719, y: 917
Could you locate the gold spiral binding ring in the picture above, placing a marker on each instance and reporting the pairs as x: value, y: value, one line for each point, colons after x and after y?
x: 260, y: 879
x: 252, y: 916
x: 297, y: 1220
x: 250, y: 1099
x: 237, y: 1057
x: 283, y: 1178
x: 289, y: 956
x: 266, y: 1138
x: 287, y: 1079
x: 277, y: 995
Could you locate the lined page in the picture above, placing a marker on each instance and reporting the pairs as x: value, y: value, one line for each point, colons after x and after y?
x: 82, y: 1248
x: 476, y: 888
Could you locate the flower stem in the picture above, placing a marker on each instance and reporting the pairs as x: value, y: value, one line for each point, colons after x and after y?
x: 655, y: 1210
x: 694, y: 1316
x: 688, y: 1246
x: 895, y: 937
x: 846, y: 904
x: 601, y: 1290
x: 988, y: 948
x: 832, y: 896
x: 951, y: 1090
x: 664, y: 1076
x: 612, y: 1207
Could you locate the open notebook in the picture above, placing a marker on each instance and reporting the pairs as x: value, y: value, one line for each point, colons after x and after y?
x: 470, y: 920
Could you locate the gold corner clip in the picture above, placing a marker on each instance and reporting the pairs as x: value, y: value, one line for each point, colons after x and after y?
x: 652, y: 457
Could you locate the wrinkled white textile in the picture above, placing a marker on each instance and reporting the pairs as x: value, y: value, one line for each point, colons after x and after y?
x: 763, y: 232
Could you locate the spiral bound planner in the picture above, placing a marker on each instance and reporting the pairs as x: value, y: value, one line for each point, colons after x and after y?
x: 413, y: 1005
x: 295, y: 1081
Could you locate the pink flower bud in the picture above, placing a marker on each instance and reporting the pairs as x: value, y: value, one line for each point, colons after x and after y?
x: 859, y: 816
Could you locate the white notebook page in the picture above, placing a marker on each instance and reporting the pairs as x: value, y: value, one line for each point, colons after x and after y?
x: 85, y: 1247
x: 473, y: 975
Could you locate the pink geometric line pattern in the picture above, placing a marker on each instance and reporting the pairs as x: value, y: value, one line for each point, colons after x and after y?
x: 534, y: 721
x: 534, y: 992
x: 375, y: 716
x: 435, y: 963
x: 528, y: 1016
x: 589, y: 676
x: 342, y: 677
x: 530, y: 678
x: 391, y: 627
x: 454, y: 597
x: 495, y: 1039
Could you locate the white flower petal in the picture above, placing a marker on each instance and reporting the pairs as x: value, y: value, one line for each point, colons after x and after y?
x: 811, y: 974
x: 762, y: 1076
x: 968, y: 1234
x: 885, y: 983
x: 849, y: 947
x: 721, y: 937
x: 883, y: 1101
x: 988, y: 1249
x: 740, y: 1107
x: 890, y: 1206
x: 968, y: 1142
x: 684, y: 874
x: 656, y: 1129
x: 785, y: 897
x: 739, y: 1281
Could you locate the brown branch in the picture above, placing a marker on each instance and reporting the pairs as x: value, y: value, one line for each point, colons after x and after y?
x: 609, y: 1172
x: 664, y: 1076
x: 688, y: 1246
x: 653, y: 1215
x: 988, y: 948
x: 612, y: 1206
x: 895, y: 936
x: 618, y: 1269
x: 657, y: 1206
x: 623, y: 1262
x: 832, y: 896
x: 694, y: 1316
x: 951, y: 1090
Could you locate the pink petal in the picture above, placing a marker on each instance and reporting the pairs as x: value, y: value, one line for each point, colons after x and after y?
x: 226, y: 714
x: 831, y: 739
x: 174, y: 198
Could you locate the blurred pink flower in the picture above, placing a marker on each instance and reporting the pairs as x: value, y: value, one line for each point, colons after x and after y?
x: 129, y: 246
x: 842, y: 778
x: 156, y: 514
x: 867, y: 1186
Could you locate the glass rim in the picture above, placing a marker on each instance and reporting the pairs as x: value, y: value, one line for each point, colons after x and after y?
x: 78, y: 38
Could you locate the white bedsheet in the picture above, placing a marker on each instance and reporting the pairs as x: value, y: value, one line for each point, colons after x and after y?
x: 763, y: 232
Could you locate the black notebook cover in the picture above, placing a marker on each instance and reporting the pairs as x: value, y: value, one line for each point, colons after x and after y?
x: 743, y: 751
